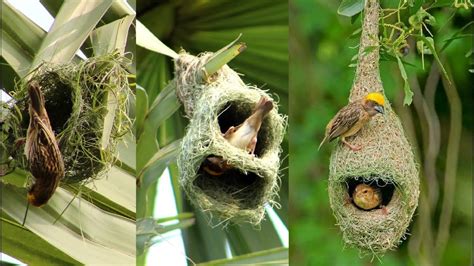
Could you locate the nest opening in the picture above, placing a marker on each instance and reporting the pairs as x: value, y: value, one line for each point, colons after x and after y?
x: 234, y: 113
x: 58, y: 97
x: 232, y: 187
x: 386, y: 188
x: 58, y: 100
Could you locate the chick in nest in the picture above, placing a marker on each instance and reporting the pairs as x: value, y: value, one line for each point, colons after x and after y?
x: 368, y: 198
x: 352, y: 117
x: 243, y: 136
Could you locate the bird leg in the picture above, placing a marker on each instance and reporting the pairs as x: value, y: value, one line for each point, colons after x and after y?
x: 352, y: 147
x: 384, y: 209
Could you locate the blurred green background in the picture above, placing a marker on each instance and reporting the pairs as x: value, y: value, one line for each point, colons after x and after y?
x: 322, y: 44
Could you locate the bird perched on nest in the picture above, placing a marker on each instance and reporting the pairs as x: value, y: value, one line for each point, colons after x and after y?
x: 243, y: 136
x: 42, y: 151
x: 352, y: 117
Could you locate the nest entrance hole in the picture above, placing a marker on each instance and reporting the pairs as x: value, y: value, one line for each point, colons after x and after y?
x: 234, y: 113
x: 232, y: 187
x: 58, y: 101
x: 386, y: 188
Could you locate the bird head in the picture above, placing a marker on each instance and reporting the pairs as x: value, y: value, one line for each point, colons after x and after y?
x: 374, y: 103
x: 364, y: 191
x: 39, y: 196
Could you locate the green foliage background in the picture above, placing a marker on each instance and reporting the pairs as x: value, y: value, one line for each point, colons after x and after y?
x: 322, y: 45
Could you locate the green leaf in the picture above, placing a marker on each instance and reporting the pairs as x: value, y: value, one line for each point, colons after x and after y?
x: 84, y: 232
x: 350, y: 8
x: 141, y: 109
x: 147, y: 40
x: 72, y: 26
x: 224, y: 56
x: 276, y: 256
x: 203, y: 242
x: 183, y: 215
x: 164, y: 106
x: 152, y: 171
x: 148, y: 228
x: 422, y: 48
x: 112, y: 36
x: 21, y: 38
x: 127, y: 152
x: 406, y: 87
x: 157, y: 164
x: 458, y: 34
x: 116, y: 188
x: 14, y: 239
x: 243, y: 240
x: 430, y: 43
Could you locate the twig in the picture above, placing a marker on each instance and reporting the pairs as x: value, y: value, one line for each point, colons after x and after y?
x: 452, y: 154
x: 432, y: 150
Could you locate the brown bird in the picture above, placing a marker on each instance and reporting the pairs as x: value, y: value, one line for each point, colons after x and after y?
x: 367, y: 197
x: 352, y: 117
x: 243, y: 136
x: 42, y: 151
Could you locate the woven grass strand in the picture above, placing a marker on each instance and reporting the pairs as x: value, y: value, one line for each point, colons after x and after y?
x: 386, y: 156
x: 241, y: 194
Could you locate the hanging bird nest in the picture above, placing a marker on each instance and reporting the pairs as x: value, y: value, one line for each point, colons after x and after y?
x: 87, y: 104
x: 386, y: 162
x: 214, y: 105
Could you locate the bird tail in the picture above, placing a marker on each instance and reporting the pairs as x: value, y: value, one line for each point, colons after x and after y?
x: 36, y: 97
x: 265, y: 105
x: 262, y: 108
x: 322, y: 142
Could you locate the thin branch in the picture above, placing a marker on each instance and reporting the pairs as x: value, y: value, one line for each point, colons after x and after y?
x: 423, y: 240
x: 452, y: 154
x: 434, y: 142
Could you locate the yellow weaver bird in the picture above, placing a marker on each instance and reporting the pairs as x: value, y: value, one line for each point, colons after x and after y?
x: 42, y: 151
x: 352, y: 117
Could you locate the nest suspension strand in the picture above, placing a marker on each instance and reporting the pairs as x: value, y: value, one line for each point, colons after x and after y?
x: 386, y: 161
x: 78, y: 96
x: 213, y: 106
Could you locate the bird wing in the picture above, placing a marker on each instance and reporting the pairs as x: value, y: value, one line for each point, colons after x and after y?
x: 47, y: 147
x: 345, y: 119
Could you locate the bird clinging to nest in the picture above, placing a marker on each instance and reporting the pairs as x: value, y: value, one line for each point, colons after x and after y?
x: 243, y: 136
x: 352, y: 117
x: 42, y: 151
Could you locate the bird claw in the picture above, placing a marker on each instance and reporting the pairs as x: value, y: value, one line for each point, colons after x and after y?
x: 353, y: 147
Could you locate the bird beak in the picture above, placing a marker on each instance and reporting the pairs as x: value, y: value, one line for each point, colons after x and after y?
x: 379, y: 109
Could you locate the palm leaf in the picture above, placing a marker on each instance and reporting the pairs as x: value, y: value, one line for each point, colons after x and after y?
x: 80, y: 224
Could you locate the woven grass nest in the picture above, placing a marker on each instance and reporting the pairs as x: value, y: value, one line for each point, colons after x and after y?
x: 385, y: 161
x: 213, y: 105
x: 87, y: 104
